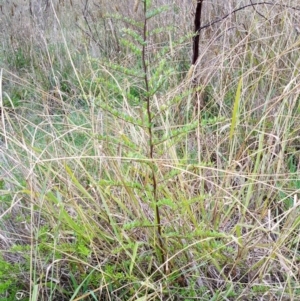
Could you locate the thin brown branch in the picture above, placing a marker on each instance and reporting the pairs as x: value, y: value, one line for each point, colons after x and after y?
x: 245, y: 6
x: 260, y: 14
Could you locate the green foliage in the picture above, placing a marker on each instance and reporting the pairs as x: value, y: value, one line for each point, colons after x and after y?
x: 235, y: 111
x: 5, y: 276
x: 10, y: 283
x: 130, y: 186
x: 5, y: 196
x: 19, y: 59
x: 15, y: 98
x: 155, y: 11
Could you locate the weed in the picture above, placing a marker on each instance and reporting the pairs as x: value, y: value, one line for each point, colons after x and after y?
x: 127, y: 175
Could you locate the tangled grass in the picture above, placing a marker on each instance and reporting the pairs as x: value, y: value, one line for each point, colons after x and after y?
x: 126, y: 174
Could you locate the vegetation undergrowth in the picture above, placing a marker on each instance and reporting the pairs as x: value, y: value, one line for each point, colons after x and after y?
x: 127, y: 174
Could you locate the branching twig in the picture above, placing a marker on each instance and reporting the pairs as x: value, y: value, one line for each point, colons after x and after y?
x: 260, y: 14
x: 90, y: 36
x: 245, y: 6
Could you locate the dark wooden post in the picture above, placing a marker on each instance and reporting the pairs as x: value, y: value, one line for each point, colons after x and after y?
x: 197, y: 22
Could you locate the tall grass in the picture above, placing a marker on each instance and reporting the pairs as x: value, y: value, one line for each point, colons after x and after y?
x: 128, y: 175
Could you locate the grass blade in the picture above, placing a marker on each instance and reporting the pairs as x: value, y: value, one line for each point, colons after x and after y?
x: 235, y: 112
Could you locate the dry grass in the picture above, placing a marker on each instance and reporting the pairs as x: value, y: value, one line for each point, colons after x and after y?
x: 78, y: 196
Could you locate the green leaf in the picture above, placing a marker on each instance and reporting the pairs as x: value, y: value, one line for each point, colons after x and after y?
x: 133, y: 257
x: 137, y: 51
x: 148, y: 3
x: 76, y: 183
x: 156, y: 11
x: 235, y: 112
x: 64, y: 215
x: 35, y: 294
x: 166, y: 202
x: 135, y: 35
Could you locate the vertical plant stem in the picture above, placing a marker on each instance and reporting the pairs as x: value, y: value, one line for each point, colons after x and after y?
x: 151, y: 144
